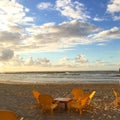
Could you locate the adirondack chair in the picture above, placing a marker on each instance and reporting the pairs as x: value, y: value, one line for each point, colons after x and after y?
x: 117, y: 97
x: 8, y: 115
x: 36, y: 94
x: 76, y: 93
x: 90, y: 98
x: 47, y: 103
x: 78, y: 105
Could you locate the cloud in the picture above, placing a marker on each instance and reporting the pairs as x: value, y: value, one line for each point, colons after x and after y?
x: 44, y: 5
x: 64, y: 61
x: 101, y: 44
x: 11, y: 12
x: 73, y: 10
x: 80, y: 62
x: 6, y: 54
x: 29, y: 61
x: 101, y: 62
x: 15, y: 29
x: 53, y: 37
x: 116, y: 18
x: 9, y: 37
x: 42, y: 62
x: 37, y: 62
x: 48, y: 36
x: 113, y: 33
x: 98, y: 19
x: 114, y: 8
x: 81, y: 59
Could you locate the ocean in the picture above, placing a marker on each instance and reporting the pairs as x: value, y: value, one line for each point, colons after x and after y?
x: 61, y: 77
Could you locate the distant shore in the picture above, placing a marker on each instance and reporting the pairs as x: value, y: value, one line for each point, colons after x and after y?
x: 19, y: 98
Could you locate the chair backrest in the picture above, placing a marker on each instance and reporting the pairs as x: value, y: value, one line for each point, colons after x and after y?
x: 77, y: 92
x: 45, y: 99
x: 83, y: 100
x: 7, y: 115
x: 116, y: 93
x: 36, y: 94
x: 91, y: 96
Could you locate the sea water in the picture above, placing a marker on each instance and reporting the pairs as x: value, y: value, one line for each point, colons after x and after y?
x: 65, y: 76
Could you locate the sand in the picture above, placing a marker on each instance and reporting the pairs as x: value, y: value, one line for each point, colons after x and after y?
x: 19, y: 98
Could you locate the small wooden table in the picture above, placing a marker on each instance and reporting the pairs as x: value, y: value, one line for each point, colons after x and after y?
x: 63, y: 100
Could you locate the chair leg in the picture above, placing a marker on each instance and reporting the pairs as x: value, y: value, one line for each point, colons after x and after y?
x: 68, y: 109
x: 52, y: 113
x: 58, y: 107
x: 116, y: 103
x: 80, y: 111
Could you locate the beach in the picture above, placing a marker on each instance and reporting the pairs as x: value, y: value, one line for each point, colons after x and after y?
x: 18, y: 97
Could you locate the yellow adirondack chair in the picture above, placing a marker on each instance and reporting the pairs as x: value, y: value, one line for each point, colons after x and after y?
x: 8, y: 115
x: 90, y: 98
x: 117, y: 97
x: 47, y: 103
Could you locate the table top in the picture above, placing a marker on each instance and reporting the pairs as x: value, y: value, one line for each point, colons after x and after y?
x: 62, y: 99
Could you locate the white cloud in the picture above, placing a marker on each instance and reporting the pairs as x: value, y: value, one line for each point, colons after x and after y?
x: 42, y: 62
x: 81, y: 59
x: 52, y: 37
x: 44, y: 5
x: 98, y: 19
x: 29, y: 61
x: 15, y: 29
x: 60, y: 36
x: 114, y: 8
x: 113, y: 33
x: 80, y: 62
x: 101, y: 62
x: 101, y: 44
x: 115, y: 18
x: 73, y: 10
x: 11, y: 12
x: 49, y: 36
x: 64, y: 61
x: 15, y: 61
x: 37, y: 62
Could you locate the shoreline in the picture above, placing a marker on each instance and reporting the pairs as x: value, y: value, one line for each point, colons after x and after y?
x: 61, y: 82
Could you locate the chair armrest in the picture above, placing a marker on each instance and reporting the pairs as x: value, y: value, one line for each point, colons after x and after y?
x: 22, y: 118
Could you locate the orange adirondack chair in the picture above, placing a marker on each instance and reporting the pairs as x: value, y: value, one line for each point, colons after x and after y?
x: 117, y: 97
x: 76, y: 93
x: 36, y: 95
x: 80, y: 104
x: 47, y: 103
x: 8, y: 115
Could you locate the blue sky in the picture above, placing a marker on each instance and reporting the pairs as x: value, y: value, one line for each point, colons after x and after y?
x: 50, y: 35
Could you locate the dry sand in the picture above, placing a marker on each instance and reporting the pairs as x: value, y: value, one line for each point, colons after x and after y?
x: 19, y: 98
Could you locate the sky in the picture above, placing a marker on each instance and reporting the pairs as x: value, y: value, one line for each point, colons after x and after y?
x: 59, y: 35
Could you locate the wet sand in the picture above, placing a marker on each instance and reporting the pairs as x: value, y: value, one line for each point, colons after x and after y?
x: 19, y: 98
